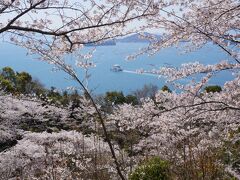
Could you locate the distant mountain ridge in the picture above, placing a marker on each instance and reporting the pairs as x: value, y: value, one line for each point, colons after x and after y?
x: 111, y: 42
x: 133, y: 38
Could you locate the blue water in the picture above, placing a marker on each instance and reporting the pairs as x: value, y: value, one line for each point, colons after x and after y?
x: 102, y: 79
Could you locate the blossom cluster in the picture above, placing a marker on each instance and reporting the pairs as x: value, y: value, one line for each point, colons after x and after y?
x: 57, y: 155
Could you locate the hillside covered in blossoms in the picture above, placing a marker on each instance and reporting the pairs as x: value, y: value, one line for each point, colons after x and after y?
x: 41, y: 138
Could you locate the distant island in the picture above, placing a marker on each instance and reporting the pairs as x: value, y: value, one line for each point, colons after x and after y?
x: 133, y: 38
x: 111, y: 42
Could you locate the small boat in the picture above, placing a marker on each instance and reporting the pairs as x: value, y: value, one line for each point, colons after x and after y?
x: 116, y: 68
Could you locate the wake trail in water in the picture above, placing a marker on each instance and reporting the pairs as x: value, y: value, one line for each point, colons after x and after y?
x: 146, y: 74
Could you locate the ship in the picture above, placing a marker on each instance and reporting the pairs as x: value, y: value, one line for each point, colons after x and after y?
x: 116, y: 68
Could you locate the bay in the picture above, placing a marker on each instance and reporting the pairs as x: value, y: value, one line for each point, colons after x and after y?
x: 101, y: 78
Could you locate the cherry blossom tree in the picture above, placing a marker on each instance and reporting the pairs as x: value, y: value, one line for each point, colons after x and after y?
x: 66, y: 154
x: 67, y: 25
x: 58, y: 27
x: 182, y: 127
x: 176, y: 126
x: 198, y: 23
x: 194, y: 120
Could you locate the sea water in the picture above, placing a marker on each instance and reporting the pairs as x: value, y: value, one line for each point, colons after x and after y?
x: 101, y: 78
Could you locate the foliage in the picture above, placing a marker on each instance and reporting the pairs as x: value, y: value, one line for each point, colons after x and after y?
x: 213, y: 89
x: 131, y: 99
x: 114, y: 97
x: 6, y: 85
x: 22, y: 83
x: 154, y: 168
x: 166, y: 88
x: 19, y: 83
